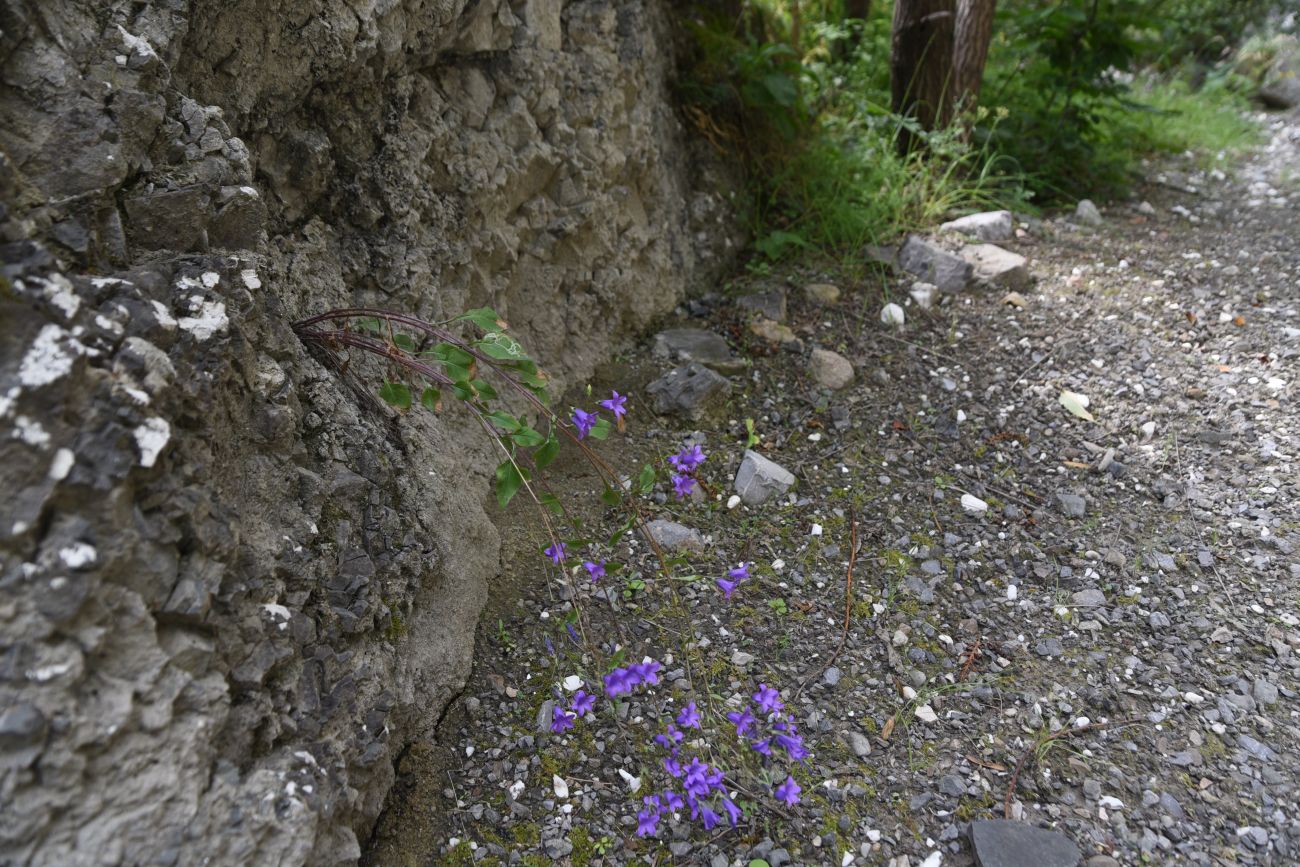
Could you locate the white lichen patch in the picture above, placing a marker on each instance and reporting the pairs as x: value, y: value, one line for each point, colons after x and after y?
x: 152, y: 437
x: 47, y: 359
x: 136, y: 44
x: 78, y: 554
x: 138, y: 395
x: 62, y: 465
x: 48, y: 672
x: 7, y: 401
x: 58, y: 291
x: 102, y: 321
x: 105, y: 282
x: 210, y: 279
x: 30, y: 431
x: 276, y: 610
x: 250, y: 278
x: 164, y: 316
x: 207, y: 320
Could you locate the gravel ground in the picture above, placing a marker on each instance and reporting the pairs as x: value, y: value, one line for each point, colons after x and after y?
x: 1110, y: 603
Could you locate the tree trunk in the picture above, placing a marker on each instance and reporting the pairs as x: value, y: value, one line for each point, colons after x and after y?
x: 855, y: 17
x: 974, y: 30
x: 920, y: 67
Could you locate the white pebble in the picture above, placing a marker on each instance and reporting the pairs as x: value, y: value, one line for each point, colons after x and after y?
x: 892, y: 314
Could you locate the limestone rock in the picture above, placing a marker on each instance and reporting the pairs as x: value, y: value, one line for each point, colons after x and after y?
x: 1086, y: 212
x: 676, y: 537
x: 933, y: 264
x: 987, y: 226
x: 684, y: 345
x: 691, y: 390
x: 1002, y: 843
x: 995, y: 266
x: 772, y: 331
x: 823, y: 293
x: 760, y: 479
x: 770, y: 304
x: 830, y: 369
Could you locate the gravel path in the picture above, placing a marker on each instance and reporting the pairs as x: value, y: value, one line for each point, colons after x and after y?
x: 1111, y: 604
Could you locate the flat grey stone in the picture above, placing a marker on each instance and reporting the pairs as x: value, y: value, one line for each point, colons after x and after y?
x: 997, y: 267
x: 987, y: 226
x: 691, y: 391
x: 684, y: 345
x: 859, y: 743
x: 21, y: 725
x: 1264, y: 692
x: 822, y: 293
x: 1071, y: 505
x: 1000, y: 843
x: 1090, y: 598
x: 759, y: 479
x: 933, y: 264
x: 674, y: 536
x: 557, y: 848
x: 769, y: 304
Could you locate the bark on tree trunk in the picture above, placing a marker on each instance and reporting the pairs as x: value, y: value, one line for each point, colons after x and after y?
x: 974, y: 31
x: 921, y: 64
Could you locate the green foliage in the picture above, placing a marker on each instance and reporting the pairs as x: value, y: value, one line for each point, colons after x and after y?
x: 1075, y: 122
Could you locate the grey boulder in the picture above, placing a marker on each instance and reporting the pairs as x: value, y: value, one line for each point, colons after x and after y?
x: 995, y: 266
x: 691, y: 390
x: 684, y: 345
x: 987, y: 226
x: 934, y: 264
x: 1000, y: 843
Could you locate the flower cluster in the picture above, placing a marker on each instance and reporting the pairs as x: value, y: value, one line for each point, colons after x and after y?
x: 684, y: 464
x: 702, y: 787
x: 621, y: 681
x: 585, y: 421
x: 580, y: 705
x: 734, y: 579
x: 765, y: 725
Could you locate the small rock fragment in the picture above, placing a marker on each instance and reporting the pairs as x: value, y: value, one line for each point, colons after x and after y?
x: 830, y: 369
x: 987, y: 226
x: 892, y: 314
x: 759, y: 479
x: 822, y: 293
x: 1086, y: 212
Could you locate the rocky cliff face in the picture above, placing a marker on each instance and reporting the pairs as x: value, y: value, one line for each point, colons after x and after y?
x: 232, y: 586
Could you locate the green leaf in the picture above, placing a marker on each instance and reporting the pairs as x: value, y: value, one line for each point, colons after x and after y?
x: 547, y: 453
x: 456, y: 373
x: 484, y: 389
x: 485, y: 318
x: 646, y: 481
x: 551, y: 502
x: 505, y: 421
x: 404, y: 341
x: 600, y: 429
x: 610, y: 497
x: 501, y: 347
x: 430, y: 397
x: 759, y: 862
x: 396, y: 394
x: 527, y: 437
x: 508, y: 482
x: 462, y: 391
x: 1077, y: 404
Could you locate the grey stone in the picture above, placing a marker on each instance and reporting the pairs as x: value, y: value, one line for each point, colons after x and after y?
x: 778, y: 857
x: 830, y: 369
x: 693, y: 391
x: 933, y: 264
x: 770, y: 304
x: 760, y: 479
x: 952, y: 785
x: 22, y: 725
x: 1170, y: 805
x: 859, y: 743
x: 1265, y: 692
x: 1089, y: 598
x: 1159, y: 620
x: 557, y: 848
x: 995, y: 266
x: 1280, y: 87
x: 719, y: 860
x: 1001, y: 843
x: 1071, y: 505
x: 831, y: 676
x: 986, y: 226
x: 1086, y: 212
x: 676, y: 537
x: 175, y: 220
x: 684, y: 345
